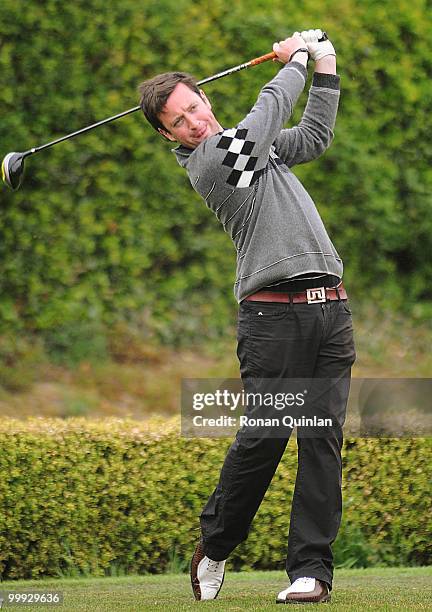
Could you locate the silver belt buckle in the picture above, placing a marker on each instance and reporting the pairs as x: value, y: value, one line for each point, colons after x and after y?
x: 316, y: 296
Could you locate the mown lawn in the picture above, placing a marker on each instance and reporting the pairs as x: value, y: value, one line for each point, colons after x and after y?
x: 375, y: 589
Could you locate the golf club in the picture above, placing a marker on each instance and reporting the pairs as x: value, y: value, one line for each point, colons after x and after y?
x: 13, y: 163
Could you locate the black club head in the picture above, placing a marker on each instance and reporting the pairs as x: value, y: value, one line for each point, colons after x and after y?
x: 13, y: 169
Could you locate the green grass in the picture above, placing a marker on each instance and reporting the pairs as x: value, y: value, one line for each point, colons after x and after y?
x: 354, y: 590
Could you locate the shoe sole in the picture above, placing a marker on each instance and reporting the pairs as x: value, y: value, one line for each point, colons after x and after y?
x: 326, y: 599
x: 195, y: 586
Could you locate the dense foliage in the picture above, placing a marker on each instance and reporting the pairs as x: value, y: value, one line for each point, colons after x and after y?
x: 83, y: 497
x: 107, y: 227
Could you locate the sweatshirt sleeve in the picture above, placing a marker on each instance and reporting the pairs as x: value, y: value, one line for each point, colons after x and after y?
x: 242, y: 153
x: 314, y: 133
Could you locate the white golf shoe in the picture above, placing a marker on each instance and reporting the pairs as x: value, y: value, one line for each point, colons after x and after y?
x: 207, y: 576
x: 305, y: 590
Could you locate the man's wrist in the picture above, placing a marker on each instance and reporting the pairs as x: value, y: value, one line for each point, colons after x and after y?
x: 302, y: 52
x: 326, y: 64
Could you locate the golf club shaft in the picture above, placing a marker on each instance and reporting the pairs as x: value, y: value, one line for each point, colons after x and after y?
x: 83, y: 130
x: 219, y: 75
x: 253, y: 62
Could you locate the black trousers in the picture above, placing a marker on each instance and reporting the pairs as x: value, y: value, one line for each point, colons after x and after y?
x: 283, y: 341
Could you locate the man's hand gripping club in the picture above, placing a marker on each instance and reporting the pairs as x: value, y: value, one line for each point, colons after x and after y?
x: 291, y: 48
x: 317, y: 48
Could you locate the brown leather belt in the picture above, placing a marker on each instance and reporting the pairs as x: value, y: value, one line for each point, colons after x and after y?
x: 317, y: 295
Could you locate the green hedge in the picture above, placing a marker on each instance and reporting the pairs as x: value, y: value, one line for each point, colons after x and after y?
x: 98, y: 498
x: 106, y: 227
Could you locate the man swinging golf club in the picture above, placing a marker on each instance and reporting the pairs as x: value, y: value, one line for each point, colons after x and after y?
x: 294, y: 321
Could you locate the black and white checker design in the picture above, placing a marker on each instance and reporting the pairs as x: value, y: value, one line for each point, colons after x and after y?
x: 239, y: 157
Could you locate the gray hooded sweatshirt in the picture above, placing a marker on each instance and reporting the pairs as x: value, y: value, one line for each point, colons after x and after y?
x: 244, y: 176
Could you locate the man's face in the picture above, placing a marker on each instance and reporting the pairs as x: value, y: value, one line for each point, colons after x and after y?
x: 188, y: 117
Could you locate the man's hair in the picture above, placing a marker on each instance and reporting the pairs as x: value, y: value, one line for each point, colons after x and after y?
x: 156, y: 91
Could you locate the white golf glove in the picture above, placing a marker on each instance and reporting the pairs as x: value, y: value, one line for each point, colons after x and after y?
x: 317, y: 50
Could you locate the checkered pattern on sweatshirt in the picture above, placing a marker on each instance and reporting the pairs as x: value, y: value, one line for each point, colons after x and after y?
x: 239, y: 157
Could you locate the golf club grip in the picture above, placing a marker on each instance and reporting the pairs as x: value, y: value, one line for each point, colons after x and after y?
x: 272, y: 55
x: 262, y: 58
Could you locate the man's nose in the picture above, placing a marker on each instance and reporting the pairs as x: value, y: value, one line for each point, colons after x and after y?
x: 193, y: 122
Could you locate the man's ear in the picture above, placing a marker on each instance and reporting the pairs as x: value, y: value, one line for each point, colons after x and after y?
x: 204, y: 97
x: 166, y: 135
